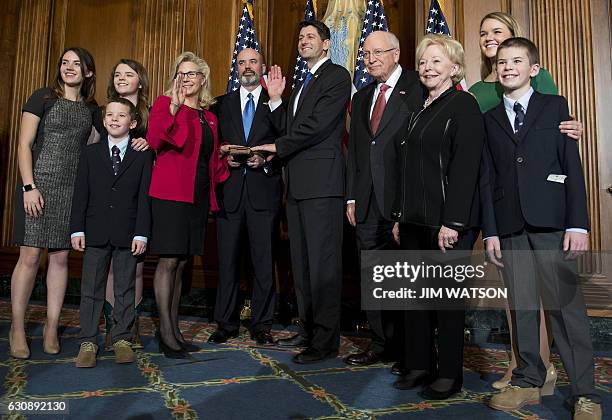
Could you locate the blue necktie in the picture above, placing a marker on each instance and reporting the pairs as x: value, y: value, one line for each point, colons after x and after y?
x: 115, y: 159
x: 306, y: 81
x: 519, y: 119
x: 247, y: 116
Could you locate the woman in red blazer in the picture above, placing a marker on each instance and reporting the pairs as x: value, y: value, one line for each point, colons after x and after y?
x: 184, y: 134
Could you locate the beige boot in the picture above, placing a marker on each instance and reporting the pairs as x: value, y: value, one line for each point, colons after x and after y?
x: 585, y: 409
x: 514, y: 397
x: 123, y: 352
x: 87, y: 355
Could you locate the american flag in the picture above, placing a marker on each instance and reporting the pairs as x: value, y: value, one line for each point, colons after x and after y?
x: 245, y: 38
x: 310, y: 13
x: 436, y: 22
x: 374, y: 19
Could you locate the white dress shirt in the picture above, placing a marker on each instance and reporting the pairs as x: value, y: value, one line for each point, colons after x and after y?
x: 244, y: 93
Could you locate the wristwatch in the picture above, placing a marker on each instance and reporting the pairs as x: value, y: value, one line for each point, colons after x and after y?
x: 28, y: 187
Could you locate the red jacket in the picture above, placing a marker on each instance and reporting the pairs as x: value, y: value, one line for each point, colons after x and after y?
x: 177, y: 140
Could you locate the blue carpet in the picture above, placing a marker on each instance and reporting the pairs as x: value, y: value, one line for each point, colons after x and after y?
x: 242, y: 381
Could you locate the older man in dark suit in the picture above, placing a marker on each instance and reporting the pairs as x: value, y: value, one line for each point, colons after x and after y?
x: 379, y: 115
x: 250, y: 200
x: 313, y: 123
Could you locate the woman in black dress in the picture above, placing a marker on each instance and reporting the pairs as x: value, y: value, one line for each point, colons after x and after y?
x: 439, y: 160
x: 56, y: 123
x: 184, y: 134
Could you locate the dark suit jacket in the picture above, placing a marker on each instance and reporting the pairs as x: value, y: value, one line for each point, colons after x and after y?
x: 439, y: 158
x: 312, y: 142
x: 108, y: 208
x: 372, y: 159
x: 263, y: 189
x: 519, y: 166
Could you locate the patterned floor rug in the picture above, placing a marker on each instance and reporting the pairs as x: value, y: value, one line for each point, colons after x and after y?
x: 243, y: 381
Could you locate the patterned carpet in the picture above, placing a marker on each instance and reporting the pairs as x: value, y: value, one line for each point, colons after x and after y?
x: 243, y: 381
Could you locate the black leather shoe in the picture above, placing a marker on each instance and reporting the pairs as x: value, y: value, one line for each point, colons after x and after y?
x: 169, y: 352
x: 311, y: 355
x: 431, y: 394
x: 398, y: 369
x: 189, y: 347
x: 297, y: 340
x: 221, y: 336
x: 263, y: 338
x: 412, y: 380
x: 363, y: 359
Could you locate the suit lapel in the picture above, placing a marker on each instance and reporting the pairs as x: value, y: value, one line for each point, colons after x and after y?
x: 130, y: 155
x: 536, y: 104
x: 311, y: 85
x: 499, y: 113
x: 396, y: 100
x: 105, y: 156
x: 259, y: 113
x: 236, y: 115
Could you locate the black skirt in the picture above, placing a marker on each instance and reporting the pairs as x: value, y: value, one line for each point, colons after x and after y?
x: 180, y: 228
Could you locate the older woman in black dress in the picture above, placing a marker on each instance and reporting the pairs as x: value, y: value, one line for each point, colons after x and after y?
x: 439, y: 159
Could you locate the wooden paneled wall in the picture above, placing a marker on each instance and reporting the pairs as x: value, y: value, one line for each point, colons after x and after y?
x: 573, y: 36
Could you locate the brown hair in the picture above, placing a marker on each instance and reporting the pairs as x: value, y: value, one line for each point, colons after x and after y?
x: 122, y: 101
x: 526, y: 44
x: 513, y: 26
x: 142, y: 107
x: 87, y: 64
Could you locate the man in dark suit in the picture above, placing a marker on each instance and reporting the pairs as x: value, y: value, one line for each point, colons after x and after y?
x: 249, y: 200
x: 313, y: 124
x: 537, y: 208
x: 111, y: 218
x: 379, y: 115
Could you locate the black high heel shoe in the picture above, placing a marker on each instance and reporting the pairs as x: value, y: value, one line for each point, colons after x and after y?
x: 168, y: 351
x: 188, y: 347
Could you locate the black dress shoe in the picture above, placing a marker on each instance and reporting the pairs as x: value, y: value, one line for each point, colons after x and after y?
x: 429, y: 393
x: 363, y: 359
x: 168, y: 351
x: 412, y: 380
x: 263, y: 338
x: 189, y: 347
x: 297, y: 340
x: 221, y: 336
x: 311, y: 355
x: 398, y: 369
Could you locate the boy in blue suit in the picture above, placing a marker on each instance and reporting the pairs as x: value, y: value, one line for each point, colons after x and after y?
x: 535, y: 206
x: 111, y: 218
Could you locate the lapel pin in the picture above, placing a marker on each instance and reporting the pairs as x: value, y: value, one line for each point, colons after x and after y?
x: 402, y: 92
x: 265, y: 103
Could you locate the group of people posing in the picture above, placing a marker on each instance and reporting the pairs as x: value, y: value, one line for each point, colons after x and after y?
x: 428, y: 167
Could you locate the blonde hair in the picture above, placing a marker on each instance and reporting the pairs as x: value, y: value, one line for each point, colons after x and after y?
x: 513, y: 26
x: 205, y: 98
x: 452, y: 48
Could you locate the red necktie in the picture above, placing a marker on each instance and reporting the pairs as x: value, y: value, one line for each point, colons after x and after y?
x: 379, y: 108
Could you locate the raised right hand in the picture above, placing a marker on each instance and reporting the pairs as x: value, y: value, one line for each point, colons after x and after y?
x: 276, y: 83
x: 178, y: 96
x: 33, y: 203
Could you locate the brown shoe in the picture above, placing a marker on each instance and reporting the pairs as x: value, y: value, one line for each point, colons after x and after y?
x: 585, y: 409
x: 87, y: 355
x: 514, y: 397
x: 123, y: 352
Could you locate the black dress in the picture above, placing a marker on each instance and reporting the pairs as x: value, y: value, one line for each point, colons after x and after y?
x: 180, y: 228
x: 63, y: 130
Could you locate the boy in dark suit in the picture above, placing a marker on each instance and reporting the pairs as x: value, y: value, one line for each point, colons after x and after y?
x: 537, y: 207
x: 111, y: 218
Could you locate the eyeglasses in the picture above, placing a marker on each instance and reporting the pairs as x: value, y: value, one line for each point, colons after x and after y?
x: 376, y: 53
x: 189, y: 74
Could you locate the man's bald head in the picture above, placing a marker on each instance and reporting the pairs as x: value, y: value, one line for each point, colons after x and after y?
x: 250, y: 68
